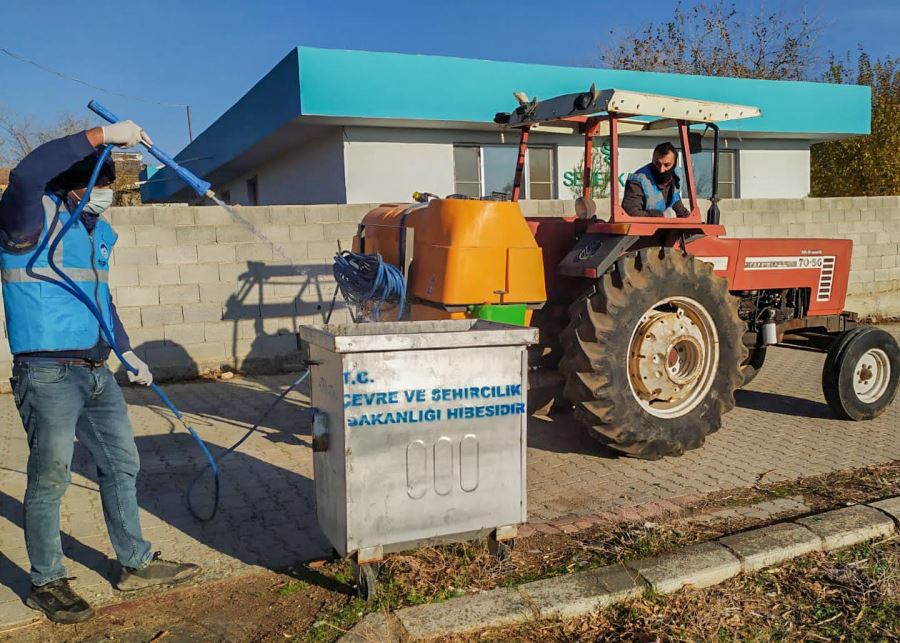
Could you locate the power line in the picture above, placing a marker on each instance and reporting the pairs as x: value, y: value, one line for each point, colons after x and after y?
x: 84, y: 82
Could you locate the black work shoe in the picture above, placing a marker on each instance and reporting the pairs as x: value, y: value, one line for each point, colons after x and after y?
x: 157, y: 572
x: 59, y: 602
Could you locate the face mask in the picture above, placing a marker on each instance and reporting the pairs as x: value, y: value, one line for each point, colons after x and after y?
x: 100, y: 201
x: 662, y: 177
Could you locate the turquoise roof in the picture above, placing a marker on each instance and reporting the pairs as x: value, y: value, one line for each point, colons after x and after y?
x: 384, y: 85
x: 372, y: 85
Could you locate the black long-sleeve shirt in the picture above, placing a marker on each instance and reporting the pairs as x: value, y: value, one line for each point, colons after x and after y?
x: 21, y: 208
x: 634, y: 203
x: 22, y: 220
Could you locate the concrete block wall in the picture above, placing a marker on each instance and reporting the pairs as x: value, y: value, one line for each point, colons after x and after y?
x: 872, y: 223
x: 198, y: 291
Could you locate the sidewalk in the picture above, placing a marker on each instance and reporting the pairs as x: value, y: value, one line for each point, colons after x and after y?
x: 780, y: 430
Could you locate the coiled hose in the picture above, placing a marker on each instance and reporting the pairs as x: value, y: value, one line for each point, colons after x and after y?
x: 367, y: 280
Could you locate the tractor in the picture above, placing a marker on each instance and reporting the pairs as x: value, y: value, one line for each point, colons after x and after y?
x: 648, y: 325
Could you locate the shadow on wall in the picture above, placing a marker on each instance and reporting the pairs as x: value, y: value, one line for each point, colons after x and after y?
x: 265, y: 310
x: 282, y: 295
x: 167, y: 360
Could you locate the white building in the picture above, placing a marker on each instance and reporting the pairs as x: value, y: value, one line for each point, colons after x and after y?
x: 333, y: 126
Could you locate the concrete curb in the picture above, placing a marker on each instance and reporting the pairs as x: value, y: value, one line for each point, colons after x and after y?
x: 582, y: 593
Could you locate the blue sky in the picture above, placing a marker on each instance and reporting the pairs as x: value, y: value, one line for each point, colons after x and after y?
x: 208, y: 53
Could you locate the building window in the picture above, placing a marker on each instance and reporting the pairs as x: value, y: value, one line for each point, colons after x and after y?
x: 467, y: 170
x: 490, y: 169
x: 253, y: 191
x: 540, y: 173
x: 499, y: 164
x: 727, y: 174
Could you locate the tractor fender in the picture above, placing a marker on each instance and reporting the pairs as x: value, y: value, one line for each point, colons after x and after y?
x: 594, y: 253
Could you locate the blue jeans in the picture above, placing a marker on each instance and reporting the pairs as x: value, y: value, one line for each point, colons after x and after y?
x: 56, y: 403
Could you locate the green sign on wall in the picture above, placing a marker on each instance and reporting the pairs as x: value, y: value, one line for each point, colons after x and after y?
x: 574, y: 178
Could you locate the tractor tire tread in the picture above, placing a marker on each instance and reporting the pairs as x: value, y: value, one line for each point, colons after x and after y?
x: 595, y: 345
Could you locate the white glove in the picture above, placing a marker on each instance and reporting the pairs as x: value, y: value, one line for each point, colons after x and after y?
x: 669, y: 213
x: 143, y: 376
x: 125, y: 134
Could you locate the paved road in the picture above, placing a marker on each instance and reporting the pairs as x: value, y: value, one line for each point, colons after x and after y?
x: 780, y: 429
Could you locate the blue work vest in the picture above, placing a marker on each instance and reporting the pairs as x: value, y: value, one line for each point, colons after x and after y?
x: 41, y: 316
x: 652, y: 194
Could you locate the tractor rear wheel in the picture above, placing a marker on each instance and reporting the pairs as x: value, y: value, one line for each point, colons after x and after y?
x: 545, y: 384
x: 653, y: 354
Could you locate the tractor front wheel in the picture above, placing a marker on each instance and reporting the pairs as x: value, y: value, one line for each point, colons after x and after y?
x: 861, y: 373
x: 653, y: 354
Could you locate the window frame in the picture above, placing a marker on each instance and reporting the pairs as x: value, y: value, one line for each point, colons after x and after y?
x: 734, y: 183
x: 526, y: 178
x: 733, y: 155
x: 553, y: 171
x: 479, y: 167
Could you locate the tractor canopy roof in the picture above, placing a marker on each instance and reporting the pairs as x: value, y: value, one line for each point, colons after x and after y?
x: 634, y: 111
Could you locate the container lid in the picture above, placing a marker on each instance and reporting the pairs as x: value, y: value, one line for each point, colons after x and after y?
x: 416, y: 335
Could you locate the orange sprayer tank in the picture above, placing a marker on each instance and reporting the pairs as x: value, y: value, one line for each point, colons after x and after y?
x: 465, y: 252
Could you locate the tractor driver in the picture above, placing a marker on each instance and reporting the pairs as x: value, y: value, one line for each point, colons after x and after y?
x: 61, y: 384
x: 654, y: 190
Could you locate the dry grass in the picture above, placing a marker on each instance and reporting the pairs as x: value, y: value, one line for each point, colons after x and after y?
x: 434, y: 574
x: 851, y: 595
x: 819, y: 492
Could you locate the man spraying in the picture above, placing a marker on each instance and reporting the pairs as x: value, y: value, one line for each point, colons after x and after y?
x: 655, y: 189
x: 61, y: 382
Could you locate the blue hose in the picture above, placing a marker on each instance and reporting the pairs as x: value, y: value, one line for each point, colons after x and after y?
x: 386, y: 283
x: 72, y: 288
x: 366, y: 279
x: 232, y: 449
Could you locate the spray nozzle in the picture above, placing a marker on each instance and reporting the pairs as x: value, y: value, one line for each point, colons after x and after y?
x: 199, y: 186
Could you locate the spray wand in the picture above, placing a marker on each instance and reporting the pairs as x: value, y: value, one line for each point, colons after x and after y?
x: 200, y: 186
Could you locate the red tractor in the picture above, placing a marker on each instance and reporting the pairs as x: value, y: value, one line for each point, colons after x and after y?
x: 648, y: 324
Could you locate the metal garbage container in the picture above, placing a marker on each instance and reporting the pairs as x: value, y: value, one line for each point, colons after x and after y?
x: 419, y: 433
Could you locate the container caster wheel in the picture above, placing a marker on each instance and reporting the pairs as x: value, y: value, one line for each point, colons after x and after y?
x: 501, y: 549
x: 366, y: 578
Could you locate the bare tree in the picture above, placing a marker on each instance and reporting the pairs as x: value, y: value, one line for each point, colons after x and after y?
x: 715, y: 39
x: 20, y: 134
